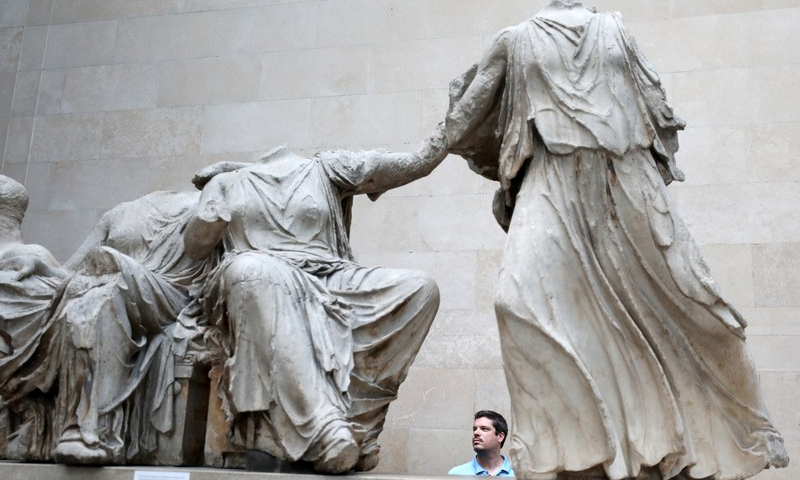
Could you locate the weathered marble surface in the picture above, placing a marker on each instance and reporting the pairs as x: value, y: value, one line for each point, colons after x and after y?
x: 622, y: 359
x: 315, y: 346
x: 124, y: 314
x: 30, y: 282
x: 254, y: 277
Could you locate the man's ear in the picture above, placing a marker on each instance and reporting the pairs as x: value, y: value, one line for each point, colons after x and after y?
x: 502, y: 436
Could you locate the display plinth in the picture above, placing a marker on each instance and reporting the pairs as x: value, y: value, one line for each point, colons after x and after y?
x: 49, y: 471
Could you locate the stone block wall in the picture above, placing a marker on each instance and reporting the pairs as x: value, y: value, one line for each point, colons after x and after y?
x: 102, y: 101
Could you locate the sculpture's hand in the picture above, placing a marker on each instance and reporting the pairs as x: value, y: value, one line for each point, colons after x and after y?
x: 436, y: 143
x: 24, y: 266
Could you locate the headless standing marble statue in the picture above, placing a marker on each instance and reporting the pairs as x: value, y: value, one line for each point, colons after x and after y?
x: 317, y: 345
x: 622, y: 359
x: 30, y: 282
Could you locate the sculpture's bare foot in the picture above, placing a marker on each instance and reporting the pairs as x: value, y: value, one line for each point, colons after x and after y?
x: 368, y: 458
x: 340, y: 451
x: 77, y: 452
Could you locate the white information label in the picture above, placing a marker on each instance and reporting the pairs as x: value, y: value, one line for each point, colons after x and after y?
x: 159, y: 475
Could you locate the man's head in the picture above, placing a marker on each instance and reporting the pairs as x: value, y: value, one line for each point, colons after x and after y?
x: 489, y: 431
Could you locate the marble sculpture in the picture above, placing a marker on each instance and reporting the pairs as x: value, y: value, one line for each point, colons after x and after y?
x: 125, y: 311
x: 31, y: 281
x: 296, y: 309
x: 622, y: 359
x: 254, y: 274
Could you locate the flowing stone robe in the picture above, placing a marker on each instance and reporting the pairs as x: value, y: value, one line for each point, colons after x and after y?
x: 620, y: 354
x: 126, y: 314
x: 316, y: 344
x: 28, y: 349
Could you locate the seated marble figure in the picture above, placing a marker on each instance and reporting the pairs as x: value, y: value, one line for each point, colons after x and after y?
x: 30, y: 281
x: 316, y: 345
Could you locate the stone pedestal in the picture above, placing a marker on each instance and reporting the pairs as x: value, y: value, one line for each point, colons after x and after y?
x: 184, y: 445
x: 218, y: 450
x: 31, y: 471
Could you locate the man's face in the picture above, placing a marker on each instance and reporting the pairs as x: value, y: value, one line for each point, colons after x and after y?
x: 484, y: 436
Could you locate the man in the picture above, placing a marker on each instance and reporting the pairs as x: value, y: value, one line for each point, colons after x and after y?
x: 488, y: 436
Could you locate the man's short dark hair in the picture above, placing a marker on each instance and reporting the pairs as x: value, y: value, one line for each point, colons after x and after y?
x: 498, y: 422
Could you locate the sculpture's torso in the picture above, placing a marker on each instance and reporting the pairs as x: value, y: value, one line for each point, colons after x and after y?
x: 580, y: 88
x: 149, y: 231
x: 295, y: 214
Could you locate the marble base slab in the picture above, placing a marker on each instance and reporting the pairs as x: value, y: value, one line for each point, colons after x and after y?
x: 42, y: 471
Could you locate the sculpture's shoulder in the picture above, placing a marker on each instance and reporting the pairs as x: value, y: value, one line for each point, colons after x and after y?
x: 164, y: 199
x: 170, y: 197
x: 141, y: 212
x: 276, y: 166
x: 508, y: 35
x: 611, y: 20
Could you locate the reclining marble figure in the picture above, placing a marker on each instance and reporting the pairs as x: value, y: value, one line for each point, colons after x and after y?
x: 317, y: 345
x: 30, y: 282
x: 132, y: 287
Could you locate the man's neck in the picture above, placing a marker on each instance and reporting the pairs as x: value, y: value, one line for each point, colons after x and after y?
x: 491, y: 461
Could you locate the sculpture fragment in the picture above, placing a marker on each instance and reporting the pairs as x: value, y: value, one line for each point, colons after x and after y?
x: 621, y: 356
x: 132, y: 291
x: 31, y: 281
x: 316, y: 345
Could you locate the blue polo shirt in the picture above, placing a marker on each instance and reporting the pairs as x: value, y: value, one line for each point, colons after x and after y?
x: 474, y: 468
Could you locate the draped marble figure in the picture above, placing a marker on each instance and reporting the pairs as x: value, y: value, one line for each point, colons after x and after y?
x: 621, y: 357
x: 258, y: 269
x: 132, y: 292
x: 31, y: 281
x: 316, y: 345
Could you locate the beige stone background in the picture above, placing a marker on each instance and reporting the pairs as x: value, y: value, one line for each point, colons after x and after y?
x: 102, y: 101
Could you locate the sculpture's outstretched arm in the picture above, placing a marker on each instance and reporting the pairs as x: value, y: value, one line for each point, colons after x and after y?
x: 376, y: 171
x: 392, y: 170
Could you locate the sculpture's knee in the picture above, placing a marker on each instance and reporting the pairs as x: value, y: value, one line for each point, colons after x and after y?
x: 428, y: 289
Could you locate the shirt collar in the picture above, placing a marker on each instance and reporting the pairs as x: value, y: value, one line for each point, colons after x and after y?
x: 479, y: 470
